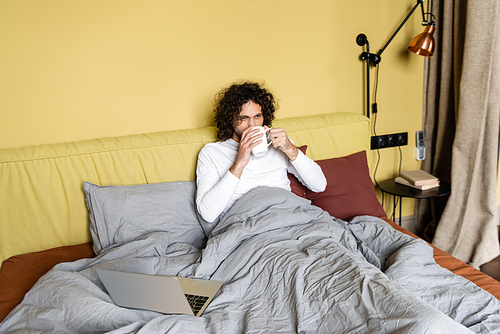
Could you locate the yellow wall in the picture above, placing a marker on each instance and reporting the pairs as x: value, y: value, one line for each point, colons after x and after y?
x: 73, y: 70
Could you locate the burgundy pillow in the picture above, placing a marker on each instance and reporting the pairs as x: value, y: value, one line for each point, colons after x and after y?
x: 349, y: 191
x: 298, y: 188
x: 20, y: 272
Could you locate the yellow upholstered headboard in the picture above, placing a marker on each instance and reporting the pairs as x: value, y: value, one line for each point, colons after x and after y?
x: 42, y: 204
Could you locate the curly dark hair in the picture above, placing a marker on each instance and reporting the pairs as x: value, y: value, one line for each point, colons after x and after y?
x: 229, y: 101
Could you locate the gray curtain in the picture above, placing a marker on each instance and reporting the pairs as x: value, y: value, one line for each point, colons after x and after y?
x: 461, y: 118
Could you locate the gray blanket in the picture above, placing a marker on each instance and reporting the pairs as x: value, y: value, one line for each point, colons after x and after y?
x: 287, y: 267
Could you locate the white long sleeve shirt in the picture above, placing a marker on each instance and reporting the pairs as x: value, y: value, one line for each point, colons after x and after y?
x: 218, y: 188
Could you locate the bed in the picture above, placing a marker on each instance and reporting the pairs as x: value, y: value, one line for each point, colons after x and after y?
x: 290, y: 261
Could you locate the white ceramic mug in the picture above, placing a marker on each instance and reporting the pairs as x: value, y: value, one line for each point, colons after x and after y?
x: 261, y: 149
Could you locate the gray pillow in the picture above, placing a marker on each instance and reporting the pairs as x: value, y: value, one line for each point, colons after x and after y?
x: 120, y: 213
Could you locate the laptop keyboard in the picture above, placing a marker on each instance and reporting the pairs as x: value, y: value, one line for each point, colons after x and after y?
x: 196, y: 302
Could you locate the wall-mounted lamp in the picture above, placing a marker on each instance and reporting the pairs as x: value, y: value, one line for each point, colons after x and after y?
x: 422, y: 44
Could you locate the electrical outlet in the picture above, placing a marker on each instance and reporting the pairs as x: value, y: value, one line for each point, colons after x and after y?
x: 391, y: 140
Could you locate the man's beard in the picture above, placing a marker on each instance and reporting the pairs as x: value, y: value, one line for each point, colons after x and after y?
x: 238, y: 135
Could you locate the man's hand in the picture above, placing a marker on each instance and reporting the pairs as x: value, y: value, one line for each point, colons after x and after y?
x: 283, y: 143
x: 249, y: 139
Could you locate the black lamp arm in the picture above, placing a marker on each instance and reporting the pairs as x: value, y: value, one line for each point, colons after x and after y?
x: 376, y: 58
x: 419, y: 2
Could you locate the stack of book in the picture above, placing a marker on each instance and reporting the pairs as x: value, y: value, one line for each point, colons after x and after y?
x: 417, y: 179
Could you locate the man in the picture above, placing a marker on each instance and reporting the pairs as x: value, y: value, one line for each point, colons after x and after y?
x: 227, y: 169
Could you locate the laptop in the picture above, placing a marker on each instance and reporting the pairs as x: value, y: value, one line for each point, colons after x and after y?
x: 164, y: 294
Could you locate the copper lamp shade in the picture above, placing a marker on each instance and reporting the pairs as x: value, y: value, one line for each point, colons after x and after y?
x: 423, y: 44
